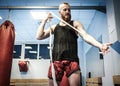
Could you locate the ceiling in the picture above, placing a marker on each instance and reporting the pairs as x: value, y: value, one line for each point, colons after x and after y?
x: 19, y: 13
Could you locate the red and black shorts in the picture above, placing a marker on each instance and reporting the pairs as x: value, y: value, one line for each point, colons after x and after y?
x: 63, y: 66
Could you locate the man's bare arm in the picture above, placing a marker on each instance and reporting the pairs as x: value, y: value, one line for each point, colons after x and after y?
x: 89, y: 39
x: 41, y: 32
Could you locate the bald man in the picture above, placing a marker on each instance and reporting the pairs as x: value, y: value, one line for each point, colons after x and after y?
x: 64, y: 53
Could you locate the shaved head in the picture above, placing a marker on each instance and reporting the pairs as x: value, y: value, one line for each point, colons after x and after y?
x: 62, y: 5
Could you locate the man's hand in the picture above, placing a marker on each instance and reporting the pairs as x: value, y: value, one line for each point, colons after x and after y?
x: 50, y: 15
x: 47, y: 16
x: 105, y: 48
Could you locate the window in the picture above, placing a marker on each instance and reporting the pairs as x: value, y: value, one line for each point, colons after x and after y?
x: 17, y: 51
x: 44, y: 51
x: 31, y: 51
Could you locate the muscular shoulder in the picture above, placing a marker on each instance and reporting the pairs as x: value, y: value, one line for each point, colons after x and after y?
x: 77, y: 24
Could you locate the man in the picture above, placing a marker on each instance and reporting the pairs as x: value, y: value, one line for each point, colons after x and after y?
x: 64, y: 53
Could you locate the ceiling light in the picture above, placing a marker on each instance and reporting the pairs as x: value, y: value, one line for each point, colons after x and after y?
x: 14, y: 51
x: 0, y: 18
x: 28, y: 47
x: 38, y: 15
x: 32, y: 51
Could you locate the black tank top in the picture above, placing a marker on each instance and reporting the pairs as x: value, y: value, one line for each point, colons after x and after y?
x: 65, y: 43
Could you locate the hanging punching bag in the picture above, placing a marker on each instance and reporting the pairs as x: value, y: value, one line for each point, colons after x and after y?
x: 7, y: 36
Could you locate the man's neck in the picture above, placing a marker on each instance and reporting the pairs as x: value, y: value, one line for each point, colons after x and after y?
x: 63, y: 24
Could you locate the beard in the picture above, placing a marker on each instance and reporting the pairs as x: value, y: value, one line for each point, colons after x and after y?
x: 66, y: 17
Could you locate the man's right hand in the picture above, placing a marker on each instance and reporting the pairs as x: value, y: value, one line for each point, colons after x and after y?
x: 50, y: 15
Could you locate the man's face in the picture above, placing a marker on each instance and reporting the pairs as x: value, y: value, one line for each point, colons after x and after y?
x: 65, y: 12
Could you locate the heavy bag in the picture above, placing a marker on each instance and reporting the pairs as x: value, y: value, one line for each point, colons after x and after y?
x: 7, y: 36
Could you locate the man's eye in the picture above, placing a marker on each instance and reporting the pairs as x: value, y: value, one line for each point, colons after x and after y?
x: 66, y: 10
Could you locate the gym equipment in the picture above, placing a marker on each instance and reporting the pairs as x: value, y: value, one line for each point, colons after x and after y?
x: 7, y: 37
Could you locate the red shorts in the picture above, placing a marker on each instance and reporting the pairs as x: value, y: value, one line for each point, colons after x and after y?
x: 63, y: 66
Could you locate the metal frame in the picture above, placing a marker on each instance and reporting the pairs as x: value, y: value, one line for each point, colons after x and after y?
x: 99, y: 8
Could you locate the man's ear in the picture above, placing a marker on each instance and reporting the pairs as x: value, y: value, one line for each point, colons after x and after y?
x: 59, y: 11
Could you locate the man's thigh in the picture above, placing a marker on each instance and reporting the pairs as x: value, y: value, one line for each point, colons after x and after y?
x: 75, y: 79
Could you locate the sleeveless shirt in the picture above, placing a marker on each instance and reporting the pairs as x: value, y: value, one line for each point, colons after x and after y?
x: 65, y: 43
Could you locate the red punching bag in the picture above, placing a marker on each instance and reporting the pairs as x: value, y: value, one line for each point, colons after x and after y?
x: 7, y: 36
